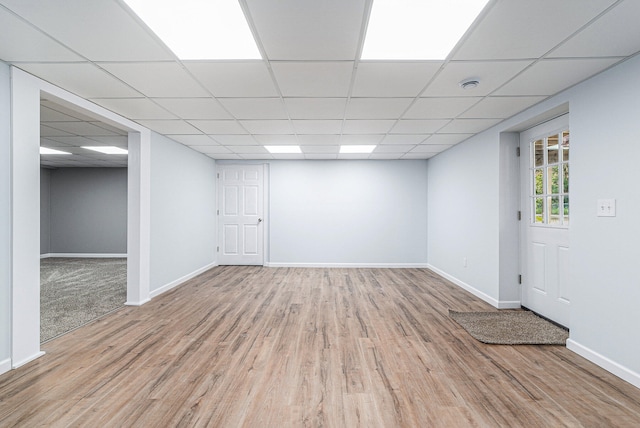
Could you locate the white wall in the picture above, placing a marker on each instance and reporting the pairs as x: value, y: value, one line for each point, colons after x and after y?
x: 605, y: 149
x: 5, y: 218
x: 183, y: 213
x: 88, y: 211
x: 348, y: 212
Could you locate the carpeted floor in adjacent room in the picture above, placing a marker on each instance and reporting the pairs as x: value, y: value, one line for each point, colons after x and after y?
x: 75, y: 291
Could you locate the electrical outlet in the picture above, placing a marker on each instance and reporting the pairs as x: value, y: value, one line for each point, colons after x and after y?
x: 606, y: 208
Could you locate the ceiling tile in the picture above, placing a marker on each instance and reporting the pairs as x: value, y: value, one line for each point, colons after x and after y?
x: 235, y: 140
x: 99, y: 30
x: 179, y: 127
x: 393, y: 79
x: 134, y: 108
x: 268, y: 126
x: 248, y: 149
x: 500, y: 107
x: 549, y: 76
x: 446, y: 139
x: 211, y: 149
x: 47, y: 131
x: 80, y: 128
x: 430, y: 148
x: 320, y: 149
x: 405, y: 139
x: 323, y: 156
x: 83, y: 79
x: 491, y: 76
x: 393, y: 148
x: 376, y: 108
x: 218, y: 126
x: 622, y: 35
x: 361, y: 139
x: 313, y: 79
x: 255, y: 108
x: 415, y: 126
x: 316, y: 108
x: 234, y: 79
x: 29, y: 44
x: 50, y: 115
x: 462, y: 126
x: 386, y: 156
x: 367, y: 126
x: 275, y: 139
x: 194, y: 140
x: 325, y: 30
x: 317, y: 140
x: 527, y: 29
x: 157, y: 79
x: 317, y: 126
x: 194, y: 108
x: 439, y: 108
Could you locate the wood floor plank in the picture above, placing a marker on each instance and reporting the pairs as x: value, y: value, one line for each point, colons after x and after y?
x: 287, y: 347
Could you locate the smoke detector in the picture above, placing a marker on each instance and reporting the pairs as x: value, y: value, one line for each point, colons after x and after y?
x: 469, y: 84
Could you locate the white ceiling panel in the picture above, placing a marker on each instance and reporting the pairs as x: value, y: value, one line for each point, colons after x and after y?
x: 622, y: 34
x: 360, y: 139
x: 157, y: 79
x: 276, y: 139
x: 376, y: 108
x: 255, y: 108
x: 212, y: 149
x: 500, y: 107
x: 386, y: 156
x: 234, y: 79
x: 29, y: 44
x: 394, y: 148
x: 249, y: 149
x: 135, y: 108
x: 527, y: 29
x: 367, y: 126
x: 47, y: 131
x: 415, y: 126
x: 317, y: 126
x: 463, y: 126
x: 549, y: 76
x: 308, y: 30
x: 407, y: 139
x: 83, y: 79
x: 318, y: 140
x: 393, y: 79
x: 446, y: 139
x: 80, y: 128
x: 268, y: 126
x: 491, y: 75
x: 218, y: 126
x: 313, y: 79
x: 194, y: 108
x: 430, y: 148
x: 439, y: 108
x: 179, y: 127
x: 194, y: 140
x: 98, y: 30
x: 315, y: 108
x: 235, y: 140
x: 320, y: 149
x: 50, y: 115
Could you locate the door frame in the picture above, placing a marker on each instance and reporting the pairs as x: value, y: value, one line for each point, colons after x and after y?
x: 266, y: 172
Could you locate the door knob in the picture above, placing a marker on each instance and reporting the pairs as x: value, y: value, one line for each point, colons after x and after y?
x: 259, y: 220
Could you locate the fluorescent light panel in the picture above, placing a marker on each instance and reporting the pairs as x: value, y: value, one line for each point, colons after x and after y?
x: 107, y: 150
x: 359, y: 148
x: 283, y: 149
x: 48, y: 151
x: 418, y: 29
x: 199, y: 29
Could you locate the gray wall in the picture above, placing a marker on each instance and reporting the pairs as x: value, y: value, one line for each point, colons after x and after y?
x: 348, y: 212
x: 5, y: 213
x: 88, y: 210
x: 183, y: 207
x: 45, y: 210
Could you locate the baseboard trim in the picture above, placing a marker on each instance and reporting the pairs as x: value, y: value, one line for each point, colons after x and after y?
x: 499, y: 304
x: 140, y: 303
x: 85, y: 255
x: 609, y: 365
x: 180, y: 280
x: 28, y: 360
x: 349, y: 265
x: 5, y: 365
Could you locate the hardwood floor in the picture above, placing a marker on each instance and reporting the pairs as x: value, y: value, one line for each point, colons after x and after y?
x: 284, y: 347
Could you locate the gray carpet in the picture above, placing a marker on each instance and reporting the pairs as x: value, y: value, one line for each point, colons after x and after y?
x: 510, y: 328
x: 75, y: 291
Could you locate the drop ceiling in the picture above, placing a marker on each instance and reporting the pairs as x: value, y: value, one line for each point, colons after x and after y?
x: 311, y: 88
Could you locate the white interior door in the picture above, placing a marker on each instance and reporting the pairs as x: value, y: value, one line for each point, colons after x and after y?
x: 241, y: 214
x: 544, y: 165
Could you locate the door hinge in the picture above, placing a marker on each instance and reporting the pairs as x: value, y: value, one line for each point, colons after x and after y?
x: 518, y: 151
x: 519, y: 215
x: 519, y: 279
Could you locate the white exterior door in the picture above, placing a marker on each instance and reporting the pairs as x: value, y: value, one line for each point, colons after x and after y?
x: 241, y: 214
x: 544, y: 165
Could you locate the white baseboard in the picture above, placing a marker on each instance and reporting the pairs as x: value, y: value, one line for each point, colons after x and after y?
x: 27, y: 360
x: 140, y: 303
x: 180, y: 280
x: 349, y: 265
x: 85, y: 255
x: 5, y: 365
x: 499, y: 304
x: 609, y: 365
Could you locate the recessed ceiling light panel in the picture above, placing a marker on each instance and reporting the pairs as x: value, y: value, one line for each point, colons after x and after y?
x: 107, y: 150
x: 48, y: 151
x: 199, y: 29
x: 283, y: 149
x: 418, y: 29
x: 358, y: 148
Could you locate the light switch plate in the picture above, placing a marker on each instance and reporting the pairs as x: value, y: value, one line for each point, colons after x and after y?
x: 606, y: 207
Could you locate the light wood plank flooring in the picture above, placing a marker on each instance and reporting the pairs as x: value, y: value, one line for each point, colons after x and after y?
x: 280, y: 347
